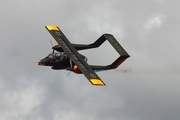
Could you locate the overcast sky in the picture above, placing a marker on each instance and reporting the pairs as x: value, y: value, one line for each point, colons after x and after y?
x: 145, y: 87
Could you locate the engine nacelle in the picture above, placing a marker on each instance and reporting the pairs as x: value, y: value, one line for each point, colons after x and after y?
x: 76, y: 70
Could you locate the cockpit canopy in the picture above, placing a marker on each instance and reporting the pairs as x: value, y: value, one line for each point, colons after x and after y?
x: 60, y: 56
x: 56, y: 56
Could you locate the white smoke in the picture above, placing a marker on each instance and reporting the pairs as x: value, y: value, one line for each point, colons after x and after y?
x: 149, y: 70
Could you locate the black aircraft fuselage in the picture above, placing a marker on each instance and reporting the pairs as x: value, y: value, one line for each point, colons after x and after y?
x: 59, y: 61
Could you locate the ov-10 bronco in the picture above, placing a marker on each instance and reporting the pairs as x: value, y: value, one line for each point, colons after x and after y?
x: 67, y: 56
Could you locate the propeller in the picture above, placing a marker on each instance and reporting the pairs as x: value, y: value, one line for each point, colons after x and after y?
x: 52, y: 46
x: 51, y: 43
x: 71, y: 64
x: 71, y: 67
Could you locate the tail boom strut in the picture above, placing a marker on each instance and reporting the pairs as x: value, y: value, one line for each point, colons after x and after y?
x: 123, y: 54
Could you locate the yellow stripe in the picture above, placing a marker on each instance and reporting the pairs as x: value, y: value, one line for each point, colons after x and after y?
x: 97, y: 82
x: 51, y: 27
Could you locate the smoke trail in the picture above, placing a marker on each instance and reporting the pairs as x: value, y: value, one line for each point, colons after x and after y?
x: 149, y: 70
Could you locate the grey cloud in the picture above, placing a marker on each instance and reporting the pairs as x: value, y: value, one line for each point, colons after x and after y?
x: 32, y: 92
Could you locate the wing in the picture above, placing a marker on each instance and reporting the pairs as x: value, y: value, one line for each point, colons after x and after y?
x: 74, y: 55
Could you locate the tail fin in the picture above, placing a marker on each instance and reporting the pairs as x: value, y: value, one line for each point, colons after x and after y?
x: 123, y: 54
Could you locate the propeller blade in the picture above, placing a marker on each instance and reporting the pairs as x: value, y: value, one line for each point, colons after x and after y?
x: 51, y: 43
x: 71, y: 64
x: 71, y: 67
x: 52, y: 46
x: 68, y: 73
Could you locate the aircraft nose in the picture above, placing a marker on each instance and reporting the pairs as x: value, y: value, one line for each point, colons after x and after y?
x: 40, y: 63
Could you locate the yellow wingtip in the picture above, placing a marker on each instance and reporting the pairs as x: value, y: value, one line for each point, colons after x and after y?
x: 52, y: 27
x: 97, y: 82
